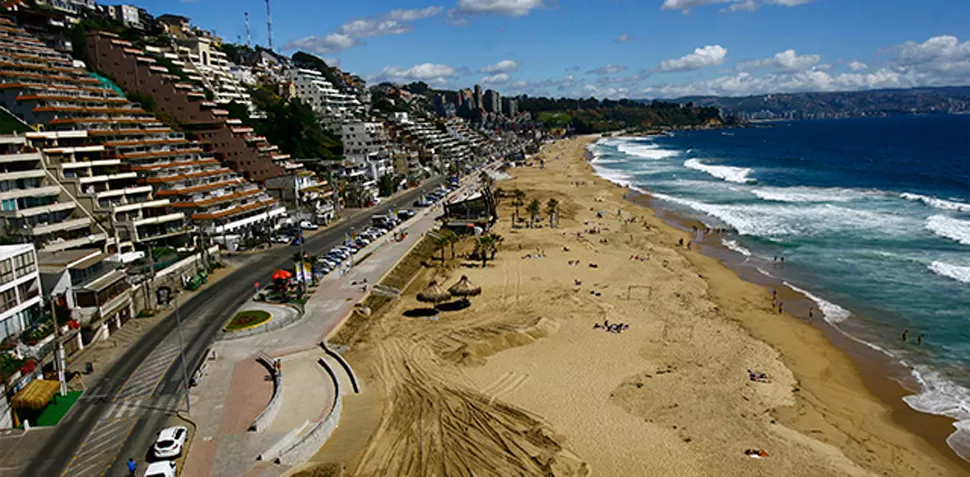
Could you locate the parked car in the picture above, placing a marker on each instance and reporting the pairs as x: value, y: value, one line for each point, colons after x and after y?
x: 168, y: 444
x: 280, y: 239
x: 307, y: 225
x: 161, y: 469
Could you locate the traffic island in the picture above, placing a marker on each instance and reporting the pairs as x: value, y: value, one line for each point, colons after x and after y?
x: 247, y: 320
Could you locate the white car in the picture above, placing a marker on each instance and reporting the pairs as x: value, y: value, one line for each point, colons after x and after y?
x: 307, y: 225
x: 161, y: 469
x: 168, y: 444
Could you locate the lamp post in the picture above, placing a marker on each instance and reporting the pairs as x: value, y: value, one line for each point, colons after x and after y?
x: 58, y: 350
x: 185, y: 371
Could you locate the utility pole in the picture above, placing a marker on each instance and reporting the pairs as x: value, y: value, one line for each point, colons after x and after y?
x: 269, y: 27
x: 59, y: 363
x: 249, y: 34
x: 185, y: 371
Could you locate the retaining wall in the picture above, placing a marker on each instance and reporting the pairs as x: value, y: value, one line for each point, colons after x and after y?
x: 310, y: 443
x: 344, y: 364
x: 265, y: 418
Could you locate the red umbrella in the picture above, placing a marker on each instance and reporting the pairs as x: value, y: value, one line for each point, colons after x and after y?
x: 282, y: 275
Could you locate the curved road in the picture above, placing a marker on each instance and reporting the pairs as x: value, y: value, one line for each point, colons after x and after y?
x: 94, y: 440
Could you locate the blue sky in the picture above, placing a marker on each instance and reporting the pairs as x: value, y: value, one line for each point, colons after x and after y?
x: 617, y: 48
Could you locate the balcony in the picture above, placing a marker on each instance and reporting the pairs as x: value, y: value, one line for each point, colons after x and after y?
x: 86, y: 164
x: 27, y: 157
x: 60, y: 226
x: 30, y: 192
x: 58, y: 245
x: 43, y: 209
x: 107, y: 177
x: 126, y: 191
x: 135, y: 205
x: 176, y: 216
x: 17, y: 175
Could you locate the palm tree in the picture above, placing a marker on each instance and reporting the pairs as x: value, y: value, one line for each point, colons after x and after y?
x: 451, y: 239
x: 552, y: 208
x: 441, y: 242
x: 518, y: 199
x: 487, y: 246
x: 533, y: 210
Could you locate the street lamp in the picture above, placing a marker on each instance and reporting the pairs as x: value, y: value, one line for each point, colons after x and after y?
x: 164, y: 290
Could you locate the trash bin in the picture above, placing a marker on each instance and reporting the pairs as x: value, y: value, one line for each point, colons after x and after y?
x: 88, y: 368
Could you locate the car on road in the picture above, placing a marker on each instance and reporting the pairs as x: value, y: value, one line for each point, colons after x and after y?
x: 280, y: 239
x: 164, y: 468
x: 168, y: 444
x: 307, y: 225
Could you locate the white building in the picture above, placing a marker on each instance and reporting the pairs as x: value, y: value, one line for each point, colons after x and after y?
x: 365, y: 143
x: 334, y: 107
x: 214, y: 70
x: 20, y: 300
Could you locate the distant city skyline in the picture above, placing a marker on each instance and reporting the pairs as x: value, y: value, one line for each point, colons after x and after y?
x: 660, y: 48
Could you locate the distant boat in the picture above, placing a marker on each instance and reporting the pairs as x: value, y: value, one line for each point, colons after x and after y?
x: 723, y: 133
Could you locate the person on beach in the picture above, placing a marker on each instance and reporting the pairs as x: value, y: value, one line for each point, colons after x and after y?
x: 919, y: 339
x: 681, y: 242
x: 905, y: 335
x: 688, y: 244
x: 781, y: 307
x: 811, y: 314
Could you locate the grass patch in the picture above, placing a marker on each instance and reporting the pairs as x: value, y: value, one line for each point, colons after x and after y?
x: 247, y: 319
x: 356, y: 325
x: 57, y: 409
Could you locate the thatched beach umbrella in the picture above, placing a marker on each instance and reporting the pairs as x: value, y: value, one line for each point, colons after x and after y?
x: 434, y: 294
x: 464, y: 289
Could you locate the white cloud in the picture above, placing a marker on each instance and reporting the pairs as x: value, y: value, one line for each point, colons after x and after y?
x: 428, y: 72
x: 508, y: 8
x: 592, y: 90
x: 498, y: 78
x: 623, y: 38
x: 938, y: 61
x: 504, y: 66
x: 701, y: 57
x: 394, y: 22
x: 607, y: 70
x: 732, y: 5
x: 414, y: 14
x: 787, y: 61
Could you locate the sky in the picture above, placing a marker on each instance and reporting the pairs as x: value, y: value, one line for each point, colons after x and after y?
x: 615, y: 48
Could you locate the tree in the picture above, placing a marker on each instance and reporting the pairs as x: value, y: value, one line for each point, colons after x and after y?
x: 552, y: 208
x: 441, y: 242
x: 487, y: 245
x: 518, y: 199
x: 533, y: 210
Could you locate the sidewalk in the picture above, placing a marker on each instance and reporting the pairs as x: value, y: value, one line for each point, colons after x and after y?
x: 236, y: 388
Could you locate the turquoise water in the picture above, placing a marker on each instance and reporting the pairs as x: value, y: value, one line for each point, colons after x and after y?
x: 872, y: 217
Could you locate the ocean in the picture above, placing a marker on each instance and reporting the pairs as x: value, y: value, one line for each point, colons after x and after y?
x: 872, y: 217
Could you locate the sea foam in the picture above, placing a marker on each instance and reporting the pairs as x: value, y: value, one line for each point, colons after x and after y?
x: 949, y: 270
x: 728, y: 173
x: 807, y: 194
x: 647, y: 151
x: 948, y: 227
x: 833, y: 313
x: 735, y: 246
x: 941, y: 396
x: 936, y: 202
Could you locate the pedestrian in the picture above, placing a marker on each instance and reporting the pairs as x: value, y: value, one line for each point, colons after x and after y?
x: 132, y: 466
x: 681, y: 242
x: 811, y: 314
x: 919, y: 339
x: 905, y: 335
x: 781, y: 307
x: 688, y: 244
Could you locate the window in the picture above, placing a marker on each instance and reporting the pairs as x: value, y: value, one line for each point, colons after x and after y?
x: 6, y: 271
x: 24, y: 264
x: 8, y: 299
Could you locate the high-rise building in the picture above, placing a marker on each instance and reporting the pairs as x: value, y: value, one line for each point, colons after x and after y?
x: 493, y: 102
x: 478, y: 97
x: 510, y: 107
x: 19, y: 289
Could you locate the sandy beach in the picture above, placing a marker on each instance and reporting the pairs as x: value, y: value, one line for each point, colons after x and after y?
x: 525, y: 382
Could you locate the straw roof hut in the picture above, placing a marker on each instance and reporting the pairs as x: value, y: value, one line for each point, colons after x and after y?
x: 434, y: 294
x: 464, y: 289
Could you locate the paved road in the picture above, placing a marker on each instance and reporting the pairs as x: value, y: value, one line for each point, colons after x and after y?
x: 116, y: 418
